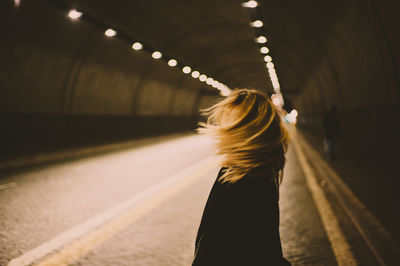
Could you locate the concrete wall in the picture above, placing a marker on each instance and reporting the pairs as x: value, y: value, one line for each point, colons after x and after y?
x: 360, y: 75
x: 52, y: 65
x: 63, y: 83
x: 56, y: 70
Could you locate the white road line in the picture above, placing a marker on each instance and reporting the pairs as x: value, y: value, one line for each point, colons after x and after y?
x: 355, y: 202
x: 86, y: 151
x: 340, y: 246
x: 8, y: 185
x: 93, y: 232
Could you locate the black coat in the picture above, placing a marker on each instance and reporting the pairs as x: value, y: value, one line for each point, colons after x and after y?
x: 240, y: 223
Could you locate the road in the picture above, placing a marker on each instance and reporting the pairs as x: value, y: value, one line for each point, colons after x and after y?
x: 141, y: 205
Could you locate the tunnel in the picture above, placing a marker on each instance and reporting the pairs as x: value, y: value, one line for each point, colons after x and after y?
x: 77, y: 74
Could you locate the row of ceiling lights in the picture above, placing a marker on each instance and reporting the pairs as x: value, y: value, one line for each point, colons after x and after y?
x: 224, y: 90
x: 277, y: 96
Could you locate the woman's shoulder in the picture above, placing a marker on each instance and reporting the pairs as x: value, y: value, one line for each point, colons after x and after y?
x: 260, y: 171
x: 256, y: 187
x: 258, y: 174
x: 259, y: 179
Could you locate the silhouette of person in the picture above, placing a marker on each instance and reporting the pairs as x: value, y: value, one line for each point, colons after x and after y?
x: 332, y: 132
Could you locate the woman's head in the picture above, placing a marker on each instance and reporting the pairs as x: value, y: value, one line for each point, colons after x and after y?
x: 249, y: 132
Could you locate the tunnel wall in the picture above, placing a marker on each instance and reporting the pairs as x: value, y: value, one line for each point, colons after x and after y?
x: 31, y: 134
x: 359, y: 74
x: 63, y: 83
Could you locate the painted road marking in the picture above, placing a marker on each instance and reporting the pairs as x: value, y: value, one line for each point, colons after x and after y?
x: 361, y: 209
x: 8, y: 185
x: 85, y: 236
x: 92, y: 150
x: 340, y: 246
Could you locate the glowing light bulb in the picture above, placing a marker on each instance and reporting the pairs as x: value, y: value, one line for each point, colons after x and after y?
x: 294, y: 113
x: 172, y: 62
x: 250, y: 4
x: 267, y: 58
x: 186, y: 69
x: 257, y: 24
x: 271, y: 72
x: 203, y: 78
x: 215, y: 83
x: 291, y: 118
x: 74, y: 14
x: 195, y: 74
x: 276, y: 101
x: 156, y: 55
x: 225, y: 92
x: 270, y: 65
x: 137, y: 46
x: 261, y: 39
x: 273, y: 78
x: 264, y: 50
x: 110, y: 33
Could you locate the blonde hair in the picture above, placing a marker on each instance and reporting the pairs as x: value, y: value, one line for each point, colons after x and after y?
x: 255, y: 137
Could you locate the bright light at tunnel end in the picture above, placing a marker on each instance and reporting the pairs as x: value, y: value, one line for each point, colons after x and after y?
x: 277, y: 98
x: 292, y: 116
x: 276, y: 101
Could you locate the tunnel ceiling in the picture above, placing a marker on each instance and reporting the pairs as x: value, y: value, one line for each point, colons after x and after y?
x: 324, y: 52
x: 214, y: 37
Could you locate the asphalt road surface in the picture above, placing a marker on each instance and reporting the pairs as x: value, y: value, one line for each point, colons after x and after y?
x: 142, y: 204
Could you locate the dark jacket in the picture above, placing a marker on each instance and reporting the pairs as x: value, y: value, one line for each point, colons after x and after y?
x: 240, y: 223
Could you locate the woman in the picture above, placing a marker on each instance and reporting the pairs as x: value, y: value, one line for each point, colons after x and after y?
x: 240, y: 223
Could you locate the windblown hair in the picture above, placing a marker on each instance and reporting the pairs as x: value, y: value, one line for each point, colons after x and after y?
x: 254, y: 137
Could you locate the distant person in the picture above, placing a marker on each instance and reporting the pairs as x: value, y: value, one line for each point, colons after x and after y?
x: 331, y: 132
x: 240, y: 223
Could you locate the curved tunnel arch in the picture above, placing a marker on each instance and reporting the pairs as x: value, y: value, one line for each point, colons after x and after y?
x: 285, y: 8
x: 300, y: 70
x: 299, y: 38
